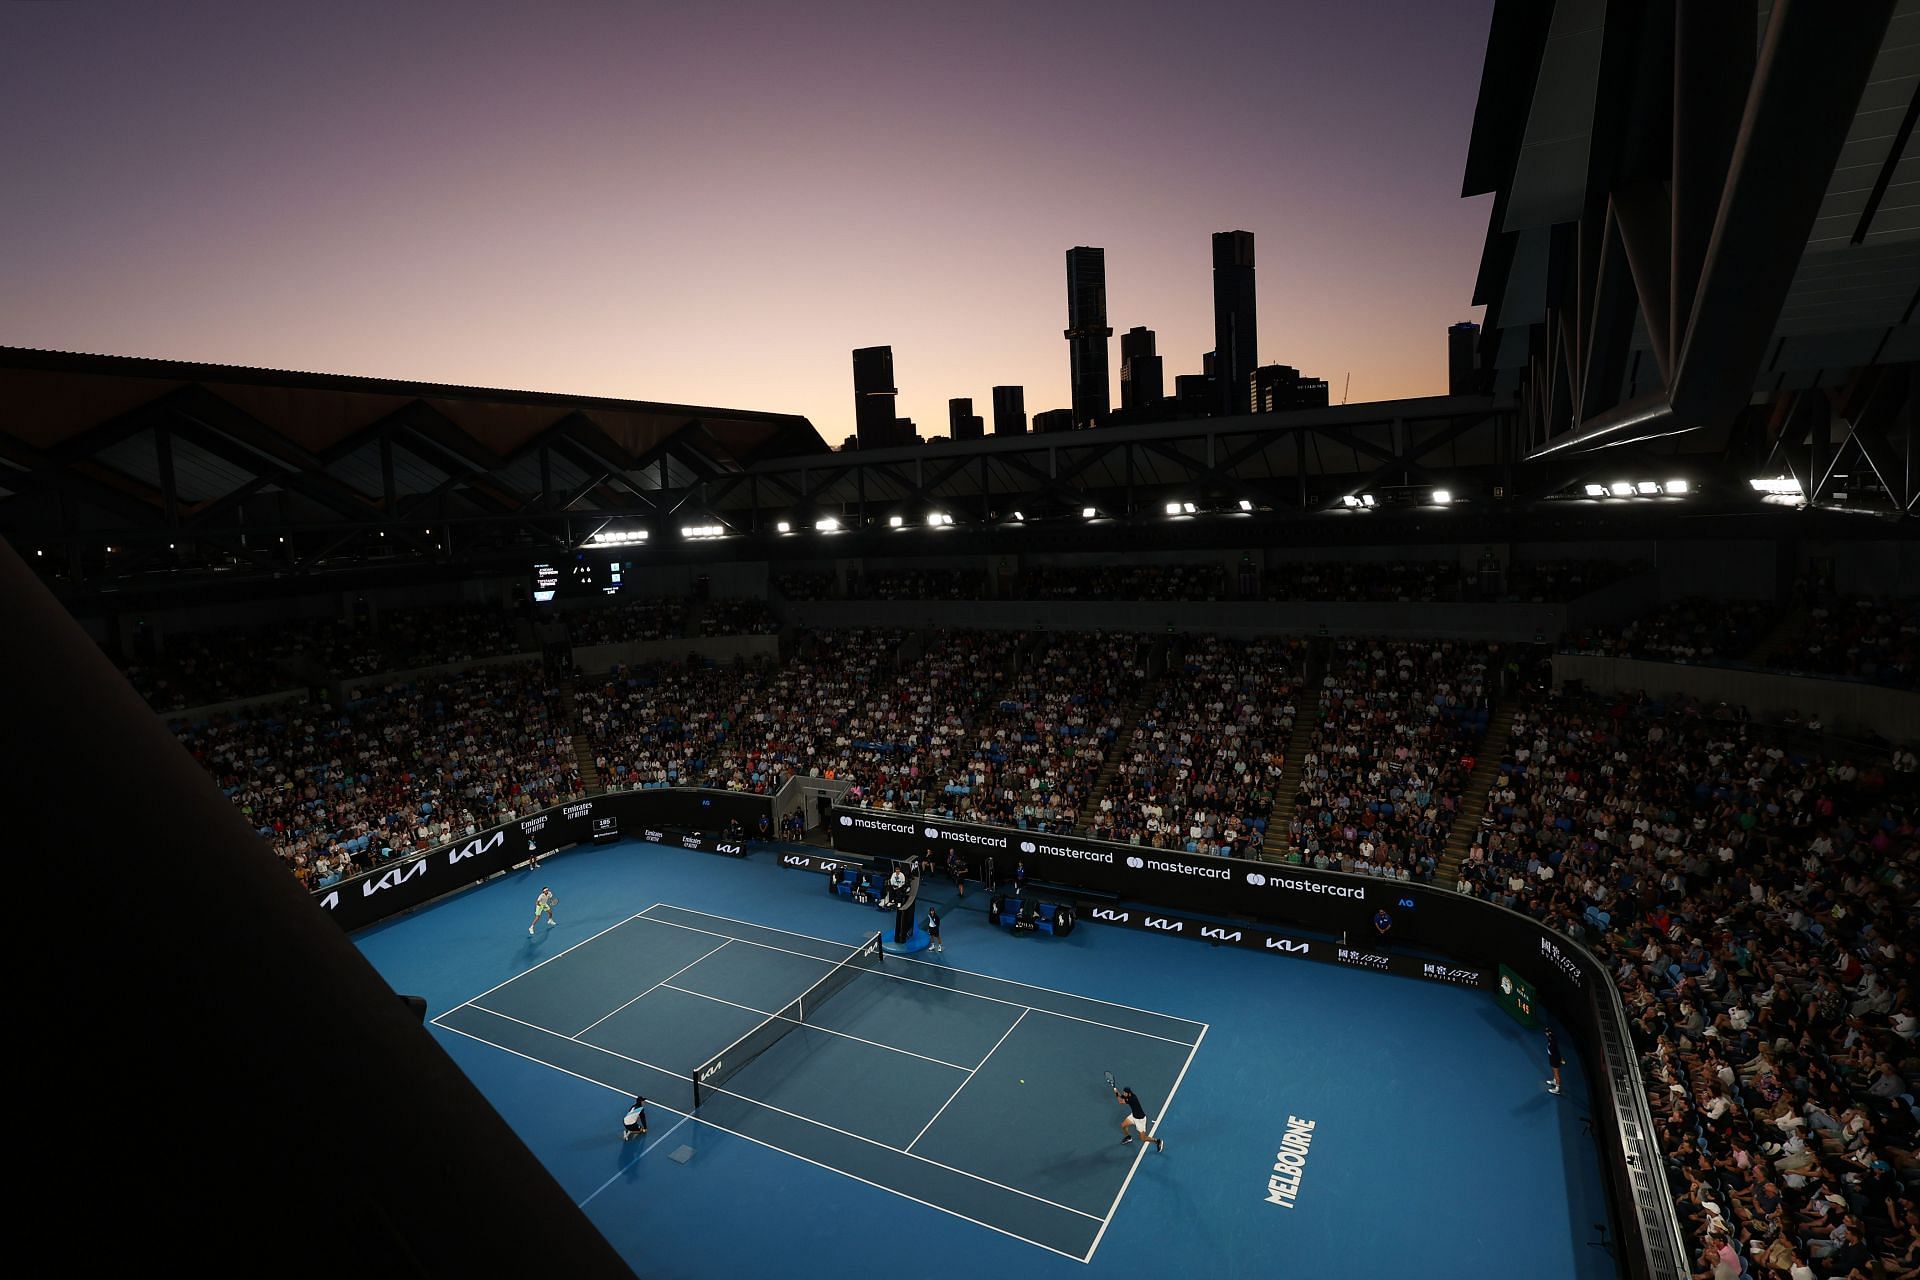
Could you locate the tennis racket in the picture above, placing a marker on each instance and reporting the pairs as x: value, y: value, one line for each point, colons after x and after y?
x: 1110, y: 1082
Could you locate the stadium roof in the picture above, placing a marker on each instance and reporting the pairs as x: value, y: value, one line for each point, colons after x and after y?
x: 1701, y: 210
x: 176, y: 435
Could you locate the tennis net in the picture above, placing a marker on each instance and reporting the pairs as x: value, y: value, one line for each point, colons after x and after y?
x: 709, y: 1076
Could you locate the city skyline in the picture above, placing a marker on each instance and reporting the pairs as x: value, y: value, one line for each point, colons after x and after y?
x: 669, y: 206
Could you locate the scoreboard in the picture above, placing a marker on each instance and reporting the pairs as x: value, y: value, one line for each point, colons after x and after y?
x: 1515, y: 995
x: 580, y: 574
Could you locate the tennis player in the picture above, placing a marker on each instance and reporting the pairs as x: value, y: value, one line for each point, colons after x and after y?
x: 543, y: 905
x: 634, y: 1125
x: 1135, y: 1120
x: 1554, y: 1062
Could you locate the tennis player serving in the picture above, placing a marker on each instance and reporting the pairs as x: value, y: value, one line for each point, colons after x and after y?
x: 1135, y: 1119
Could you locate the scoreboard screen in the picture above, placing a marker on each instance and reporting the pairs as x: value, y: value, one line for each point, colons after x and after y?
x: 582, y: 574
x: 1515, y: 995
x: 546, y: 582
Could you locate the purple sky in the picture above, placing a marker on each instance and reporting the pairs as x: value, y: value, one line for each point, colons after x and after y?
x: 715, y: 203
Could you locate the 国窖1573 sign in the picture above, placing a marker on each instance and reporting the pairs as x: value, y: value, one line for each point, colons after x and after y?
x: 1515, y: 995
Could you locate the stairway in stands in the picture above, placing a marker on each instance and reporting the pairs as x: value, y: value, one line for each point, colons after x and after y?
x: 1306, y: 715
x: 1122, y: 745
x: 1473, y: 800
x: 582, y: 749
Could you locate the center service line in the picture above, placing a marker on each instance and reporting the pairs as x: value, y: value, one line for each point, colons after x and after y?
x: 969, y: 1080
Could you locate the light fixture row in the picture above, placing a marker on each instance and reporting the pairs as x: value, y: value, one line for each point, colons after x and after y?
x: 1639, y: 489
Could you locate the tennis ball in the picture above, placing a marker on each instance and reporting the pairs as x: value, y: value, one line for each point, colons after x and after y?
x: 1023, y: 1081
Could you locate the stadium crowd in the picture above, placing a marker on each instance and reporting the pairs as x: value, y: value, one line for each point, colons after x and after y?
x: 1757, y: 902
x: 737, y: 616
x: 918, y: 584
x: 654, y: 618
x: 804, y: 586
x: 1200, y: 770
x: 1690, y: 629
x: 1380, y: 780
x: 392, y: 769
x: 1556, y: 581
x: 202, y: 668
x: 1861, y: 638
x: 1123, y: 582
x: 1375, y: 580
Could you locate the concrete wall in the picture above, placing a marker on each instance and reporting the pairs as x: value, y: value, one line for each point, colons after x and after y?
x: 1461, y: 621
x: 238, y: 704
x: 1844, y: 706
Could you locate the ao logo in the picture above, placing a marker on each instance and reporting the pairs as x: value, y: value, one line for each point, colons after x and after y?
x: 1136, y: 863
x: 933, y: 833
x: 1255, y: 878
x: 845, y: 821
x: 1026, y: 846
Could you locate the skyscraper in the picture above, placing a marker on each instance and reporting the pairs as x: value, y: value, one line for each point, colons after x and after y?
x: 1009, y: 411
x: 1278, y: 387
x: 1142, y: 379
x: 1054, y: 420
x: 1087, y: 335
x: 1235, y: 335
x: 1463, y: 341
x: 962, y: 422
x: 873, y: 393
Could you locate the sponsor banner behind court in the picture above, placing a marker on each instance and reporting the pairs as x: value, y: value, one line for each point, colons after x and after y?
x: 663, y: 815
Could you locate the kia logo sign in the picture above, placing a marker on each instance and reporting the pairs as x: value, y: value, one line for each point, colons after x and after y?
x: 1026, y: 846
x: 1136, y: 863
x: 845, y: 821
x: 933, y: 833
x: 1254, y: 877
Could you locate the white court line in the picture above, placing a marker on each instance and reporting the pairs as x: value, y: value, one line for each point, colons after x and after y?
x: 801, y: 1022
x: 1141, y: 1153
x: 945, y: 968
x: 969, y: 1080
x: 636, y: 1160
x: 656, y: 986
x: 894, y: 977
x: 550, y: 959
x: 792, y: 1115
x: 758, y: 1142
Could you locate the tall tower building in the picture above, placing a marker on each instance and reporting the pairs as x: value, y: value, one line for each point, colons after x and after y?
x: 1009, y: 411
x: 1142, y: 378
x: 1235, y: 336
x: 962, y: 422
x: 873, y: 394
x: 1463, y: 341
x: 1087, y: 335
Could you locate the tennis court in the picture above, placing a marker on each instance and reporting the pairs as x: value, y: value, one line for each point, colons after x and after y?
x: 979, y: 1096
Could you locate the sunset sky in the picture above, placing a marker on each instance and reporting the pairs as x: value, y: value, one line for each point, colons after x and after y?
x: 714, y: 203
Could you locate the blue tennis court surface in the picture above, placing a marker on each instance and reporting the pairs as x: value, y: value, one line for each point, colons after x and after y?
x: 947, y: 1113
x: 904, y: 1079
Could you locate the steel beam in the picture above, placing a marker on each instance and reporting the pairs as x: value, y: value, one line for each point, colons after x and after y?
x: 1806, y: 87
